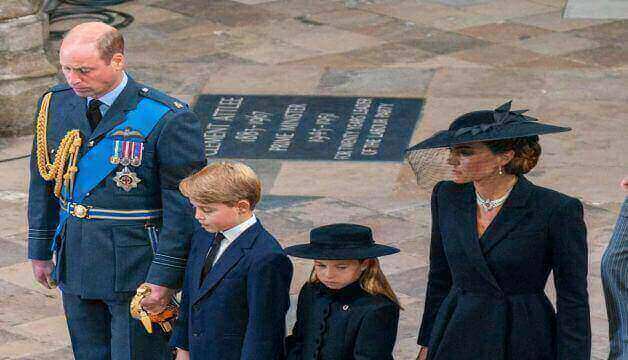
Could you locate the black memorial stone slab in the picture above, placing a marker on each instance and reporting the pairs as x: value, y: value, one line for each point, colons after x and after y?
x: 307, y: 127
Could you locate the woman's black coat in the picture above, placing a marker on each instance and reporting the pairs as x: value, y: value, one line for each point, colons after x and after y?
x: 485, y: 297
x: 345, y: 324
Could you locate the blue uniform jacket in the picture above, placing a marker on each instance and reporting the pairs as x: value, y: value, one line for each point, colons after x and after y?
x: 485, y: 296
x: 347, y: 324
x: 239, y: 311
x: 105, y: 259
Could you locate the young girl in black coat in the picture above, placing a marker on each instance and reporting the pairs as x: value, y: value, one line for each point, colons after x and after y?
x: 347, y: 310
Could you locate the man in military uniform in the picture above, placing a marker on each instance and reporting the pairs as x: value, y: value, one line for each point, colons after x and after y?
x: 107, y: 159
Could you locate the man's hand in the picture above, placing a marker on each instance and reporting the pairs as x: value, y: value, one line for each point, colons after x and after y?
x: 156, y: 301
x: 624, y: 183
x: 183, y: 354
x: 422, y: 353
x: 42, y: 270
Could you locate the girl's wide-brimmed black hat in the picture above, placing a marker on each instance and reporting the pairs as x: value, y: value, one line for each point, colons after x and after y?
x: 341, y: 242
x: 486, y: 125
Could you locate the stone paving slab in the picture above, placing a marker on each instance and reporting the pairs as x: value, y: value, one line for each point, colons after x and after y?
x: 376, y: 82
x: 459, y: 55
x: 599, y: 9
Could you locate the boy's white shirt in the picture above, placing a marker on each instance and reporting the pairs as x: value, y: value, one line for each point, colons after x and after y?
x: 232, y: 234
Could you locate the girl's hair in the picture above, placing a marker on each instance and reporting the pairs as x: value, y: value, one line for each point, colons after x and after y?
x: 372, y: 280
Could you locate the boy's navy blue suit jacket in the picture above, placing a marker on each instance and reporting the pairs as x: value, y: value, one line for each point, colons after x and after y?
x: 239, y: 310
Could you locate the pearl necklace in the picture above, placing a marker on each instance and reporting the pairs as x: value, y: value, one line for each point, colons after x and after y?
x: 488, y: 204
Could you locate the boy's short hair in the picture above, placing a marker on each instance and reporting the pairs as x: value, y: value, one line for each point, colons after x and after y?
x: 223, y: 182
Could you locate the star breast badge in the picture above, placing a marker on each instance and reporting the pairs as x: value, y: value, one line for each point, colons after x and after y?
x: 126, y: 179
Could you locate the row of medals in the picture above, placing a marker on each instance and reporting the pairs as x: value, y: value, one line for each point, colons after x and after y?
x: 127, y: 153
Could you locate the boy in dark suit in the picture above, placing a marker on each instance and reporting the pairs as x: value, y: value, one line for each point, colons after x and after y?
x: 237, y: 281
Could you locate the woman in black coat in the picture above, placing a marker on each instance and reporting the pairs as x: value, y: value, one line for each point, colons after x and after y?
x: 495, y: 239
x: 347, y: 311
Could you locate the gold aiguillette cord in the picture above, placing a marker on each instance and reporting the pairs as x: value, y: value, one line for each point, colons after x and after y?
x: 63, y: 169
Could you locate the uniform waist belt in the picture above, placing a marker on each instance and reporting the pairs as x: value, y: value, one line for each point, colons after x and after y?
x: 88, y: 212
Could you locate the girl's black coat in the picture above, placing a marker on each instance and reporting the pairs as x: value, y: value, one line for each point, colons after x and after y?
x: 345, y: 324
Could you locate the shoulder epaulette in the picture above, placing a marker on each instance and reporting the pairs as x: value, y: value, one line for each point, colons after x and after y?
x: 59, y: 87
x: 167, y: 100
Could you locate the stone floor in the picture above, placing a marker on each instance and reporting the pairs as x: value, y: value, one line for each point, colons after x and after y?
x: 459, y: 55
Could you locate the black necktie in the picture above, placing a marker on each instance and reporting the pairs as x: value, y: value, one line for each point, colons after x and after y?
x: 211, y: 255
x: 93, y: 113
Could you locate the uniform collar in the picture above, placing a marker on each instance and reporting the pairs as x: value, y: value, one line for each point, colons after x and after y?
x: 112, y: 95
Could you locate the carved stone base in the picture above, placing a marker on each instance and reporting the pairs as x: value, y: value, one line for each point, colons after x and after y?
x: 25, y: 71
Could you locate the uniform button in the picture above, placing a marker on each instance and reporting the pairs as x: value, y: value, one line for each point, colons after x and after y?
x: 195, y: 307
x: 88, y: 194
x: 91, y: 143
x: 196, y: 334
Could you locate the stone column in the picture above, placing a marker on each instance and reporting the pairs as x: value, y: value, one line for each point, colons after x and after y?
x: 25, y: 71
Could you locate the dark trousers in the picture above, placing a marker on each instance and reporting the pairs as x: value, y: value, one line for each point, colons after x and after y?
x: 104, y: 329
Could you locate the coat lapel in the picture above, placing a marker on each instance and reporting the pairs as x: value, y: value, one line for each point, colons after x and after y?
x: 227, y: 260
x: 126, y: 101
x: 464, y: 201
x: 199, y: 258
x: 512, y: 213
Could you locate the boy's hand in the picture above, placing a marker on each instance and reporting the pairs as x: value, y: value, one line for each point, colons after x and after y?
x: 183, y: 354
x: 156, y: 301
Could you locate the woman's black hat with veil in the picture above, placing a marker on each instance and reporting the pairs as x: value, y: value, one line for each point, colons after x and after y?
x: 428, y: 158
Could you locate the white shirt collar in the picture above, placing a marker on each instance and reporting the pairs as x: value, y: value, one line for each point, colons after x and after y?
x: 232, y: 234
x: 237, y: 230
x: 112, y: 95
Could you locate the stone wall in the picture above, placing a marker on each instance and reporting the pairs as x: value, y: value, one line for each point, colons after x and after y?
x: 25, y: 71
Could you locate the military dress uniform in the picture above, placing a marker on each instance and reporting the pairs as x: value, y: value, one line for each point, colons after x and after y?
x: 119, y: 219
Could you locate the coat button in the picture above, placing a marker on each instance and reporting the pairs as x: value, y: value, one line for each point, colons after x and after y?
x: 88, y: 194
x: 195, y: 307
x: 196, y: 334
x: 90, y: 144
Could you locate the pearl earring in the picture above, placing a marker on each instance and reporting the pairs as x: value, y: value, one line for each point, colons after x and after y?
x: 501, y: 171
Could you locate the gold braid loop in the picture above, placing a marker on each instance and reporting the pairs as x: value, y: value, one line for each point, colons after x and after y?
x: 66, y: 155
